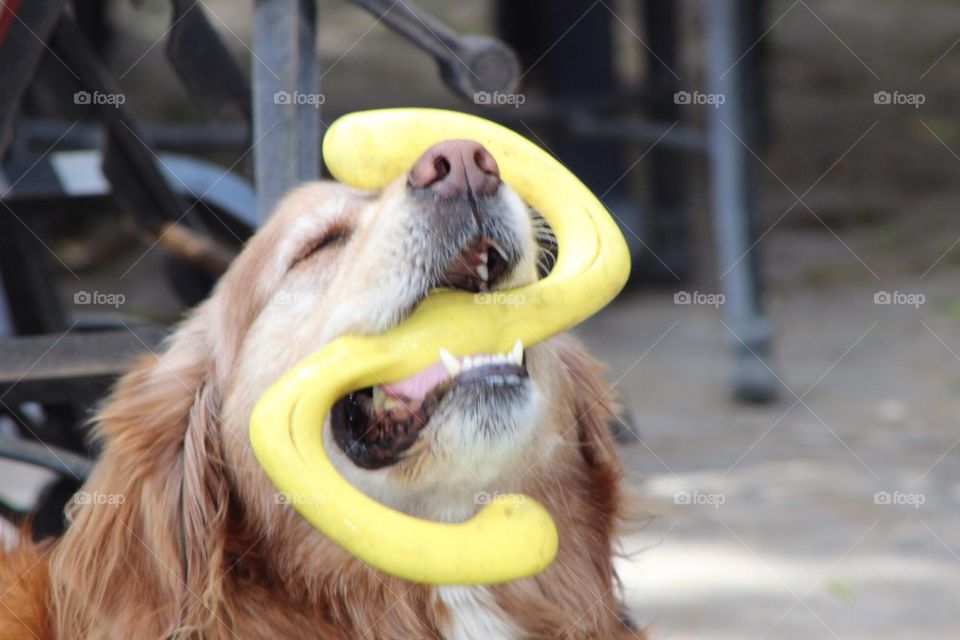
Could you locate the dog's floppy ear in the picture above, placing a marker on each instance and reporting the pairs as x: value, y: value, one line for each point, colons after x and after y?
x: 145, y: 546
x: 593, y: 404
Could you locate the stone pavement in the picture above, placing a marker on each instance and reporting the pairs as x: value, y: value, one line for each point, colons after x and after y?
x: 772, y: 520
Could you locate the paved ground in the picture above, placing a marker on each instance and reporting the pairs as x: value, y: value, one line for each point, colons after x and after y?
x: 769, y: 522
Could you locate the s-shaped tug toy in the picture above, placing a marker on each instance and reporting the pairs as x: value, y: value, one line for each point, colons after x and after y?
x: 512, y: 536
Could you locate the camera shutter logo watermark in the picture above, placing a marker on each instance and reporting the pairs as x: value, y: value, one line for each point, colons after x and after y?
x: 699, y: 498
x: 299, y: 98
x: 498, y: 99
x: 98, y: 499
x: 95, y: 97
x: 899, y: 298
x: 899, y: 498
x: 499, y: 297
x: 114, y: 300
x: 283, y: 497
x: 696, y: 297
x: 485, y: 497
x: 699, y: 98
x: 897, y: 98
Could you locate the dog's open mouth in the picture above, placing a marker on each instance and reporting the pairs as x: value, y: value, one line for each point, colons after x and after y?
x: 375, y: 425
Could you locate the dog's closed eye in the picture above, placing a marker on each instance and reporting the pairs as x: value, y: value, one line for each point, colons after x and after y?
x: 335, y: 236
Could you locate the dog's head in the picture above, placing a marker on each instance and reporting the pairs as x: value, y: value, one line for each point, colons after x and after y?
x: 333, y: 261
x: 348, y: 262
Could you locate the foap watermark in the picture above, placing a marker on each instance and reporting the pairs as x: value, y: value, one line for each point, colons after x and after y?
x: 485, y: 497
x: 899, y: 98
x: 297, y: 297
x: 114, y: 300
x: 284, y: 497
x: 698, y: 97
x: 499, y: 297
x: 498, y: 99
x: 899, y: 498
x: 298, y: 98
x: 696, y: 297
x: 96, y: 97
x: 98, y: 499
x: 899, y: 298
x: 699, y: 498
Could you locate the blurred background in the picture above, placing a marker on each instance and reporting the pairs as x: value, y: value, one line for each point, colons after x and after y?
x: 787, y: 353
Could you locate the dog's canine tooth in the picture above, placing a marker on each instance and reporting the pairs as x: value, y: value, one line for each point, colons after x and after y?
x: 483, y: 272
x: 450, y: 362
x: 517, y: 353
x: 498, y: 249
x: 483, y: 257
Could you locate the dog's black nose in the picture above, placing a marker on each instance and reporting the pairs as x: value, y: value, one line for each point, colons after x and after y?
x: 454, y: 168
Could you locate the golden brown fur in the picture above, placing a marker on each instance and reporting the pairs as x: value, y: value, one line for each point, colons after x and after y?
x: 24, y: 610
x: 196, y: 548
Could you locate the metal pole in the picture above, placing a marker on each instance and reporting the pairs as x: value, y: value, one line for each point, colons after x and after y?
x: 733, y: 203
x: 286, y: 98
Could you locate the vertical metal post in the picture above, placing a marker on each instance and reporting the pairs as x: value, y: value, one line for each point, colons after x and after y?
x: 286, y: 102
x: 6, y: 319
x: 733, y: 201
x: 668, y: 226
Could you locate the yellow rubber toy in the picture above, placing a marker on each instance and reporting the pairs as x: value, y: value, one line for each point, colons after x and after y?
x: 513, y: 536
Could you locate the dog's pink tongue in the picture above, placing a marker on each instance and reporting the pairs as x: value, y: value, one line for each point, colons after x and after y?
x: 417, y: 386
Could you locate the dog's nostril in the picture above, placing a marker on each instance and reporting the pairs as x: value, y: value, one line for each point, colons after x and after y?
x: 441, y: 167
x: 486, y: 163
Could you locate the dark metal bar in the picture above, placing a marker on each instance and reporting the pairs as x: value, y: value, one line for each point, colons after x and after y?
x: 72, y: 367
x: 468, y: 63
x: 64, y: 462
x: 26, y: 273
x: 205, y: 67
x: 22, y: 46
x: 41, y: 133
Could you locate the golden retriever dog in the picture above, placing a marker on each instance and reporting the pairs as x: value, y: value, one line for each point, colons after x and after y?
x: 184, y: 536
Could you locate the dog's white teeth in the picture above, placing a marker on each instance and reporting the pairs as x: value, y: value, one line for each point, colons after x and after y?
x: 483, y: 272
x: 456, y: 366
x: 517, y: 353
x: 484, y: 258
x: 379, y: 399
x: 450, y: 362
